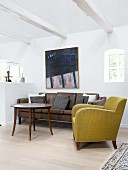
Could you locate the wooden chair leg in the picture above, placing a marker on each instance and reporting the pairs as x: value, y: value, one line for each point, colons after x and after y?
x: 114, y: 144
x: 78, y: 145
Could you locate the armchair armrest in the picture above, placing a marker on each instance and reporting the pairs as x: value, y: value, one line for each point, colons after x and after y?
x: 101, y: 101
x: 79, y: 106
x: 22, y: 100
x: 93, y: 111
x: 96, y: 117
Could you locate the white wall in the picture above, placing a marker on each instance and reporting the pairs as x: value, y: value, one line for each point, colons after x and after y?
x: 92, y: 46
x: 2, y: 103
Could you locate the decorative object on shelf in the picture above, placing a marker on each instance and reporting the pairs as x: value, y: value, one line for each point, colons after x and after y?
x: 62, y: 68
x: 22, y: 78
x: 8, y: 77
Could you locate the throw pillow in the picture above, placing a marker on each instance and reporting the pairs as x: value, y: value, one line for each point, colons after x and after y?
x: 85, y: 99
x: 92, y: 97
x: 79, y: 100
x: 37, y: 99
x: 82, y: 99
x: 32, y: 95
x: 60, y: 102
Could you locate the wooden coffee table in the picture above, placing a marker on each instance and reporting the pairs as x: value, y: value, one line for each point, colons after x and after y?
x: 31, y: 107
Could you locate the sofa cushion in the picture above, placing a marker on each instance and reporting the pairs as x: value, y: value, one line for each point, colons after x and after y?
x: 41, y: 110
x: 22, y: 100
x: 60, y: 102
x: 56, y: 111
x: 50, y: 97
x: 68, y: 112
x: 37, y: 99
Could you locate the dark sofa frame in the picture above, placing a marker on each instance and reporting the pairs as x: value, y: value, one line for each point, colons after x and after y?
x: 56, y: 114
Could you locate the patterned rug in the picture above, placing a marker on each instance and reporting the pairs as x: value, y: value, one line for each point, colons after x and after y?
x: 119, y: 160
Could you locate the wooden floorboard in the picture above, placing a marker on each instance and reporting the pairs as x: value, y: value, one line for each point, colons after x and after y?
x: 47, y: 152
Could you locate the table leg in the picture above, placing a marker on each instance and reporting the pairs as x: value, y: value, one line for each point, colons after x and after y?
x: 15, y: 116
x: 49, y: 121
x: 30, y: 123
x: 34, y: 119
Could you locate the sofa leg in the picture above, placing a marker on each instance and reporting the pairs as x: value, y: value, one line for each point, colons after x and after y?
x: 78, y: 145
x: 19, y: 120
x: 73, y: 137
x: 114, y: 144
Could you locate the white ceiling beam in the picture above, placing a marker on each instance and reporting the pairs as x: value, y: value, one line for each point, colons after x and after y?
x: 14, y: 35
x: 30, y: 18
x: 91, y: 10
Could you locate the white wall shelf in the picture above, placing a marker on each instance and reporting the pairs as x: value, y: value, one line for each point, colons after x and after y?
x: 10, y: 92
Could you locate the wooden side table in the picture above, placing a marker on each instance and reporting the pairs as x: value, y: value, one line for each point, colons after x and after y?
x: 31, y: 107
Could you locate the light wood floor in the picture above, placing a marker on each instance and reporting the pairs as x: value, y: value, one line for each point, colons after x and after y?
x: 47, y: 152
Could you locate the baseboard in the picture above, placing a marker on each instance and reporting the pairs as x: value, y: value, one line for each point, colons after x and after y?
x: 124, y: 125
x: 11, y: 123
x: 7, y: 124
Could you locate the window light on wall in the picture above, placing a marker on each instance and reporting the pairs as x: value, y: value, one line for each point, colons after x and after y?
x: 15, y: 70
x: 114, y: 65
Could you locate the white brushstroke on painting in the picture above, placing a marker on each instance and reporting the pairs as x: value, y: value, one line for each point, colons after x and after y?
x: 76, y: 75
x: 48, y: 82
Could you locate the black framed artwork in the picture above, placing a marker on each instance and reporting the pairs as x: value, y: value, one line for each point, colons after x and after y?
x: 62, y: 68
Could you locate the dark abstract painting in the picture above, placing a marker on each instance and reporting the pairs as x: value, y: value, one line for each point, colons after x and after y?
x: 62, y: 68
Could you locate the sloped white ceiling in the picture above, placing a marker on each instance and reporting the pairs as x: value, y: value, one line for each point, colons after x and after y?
x: 115, y: 10
x: 62, y: 13
x: 65, y: 15
x: 4, y: 39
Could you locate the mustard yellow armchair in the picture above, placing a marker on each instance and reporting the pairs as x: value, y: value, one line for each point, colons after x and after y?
x: 93, y: 123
